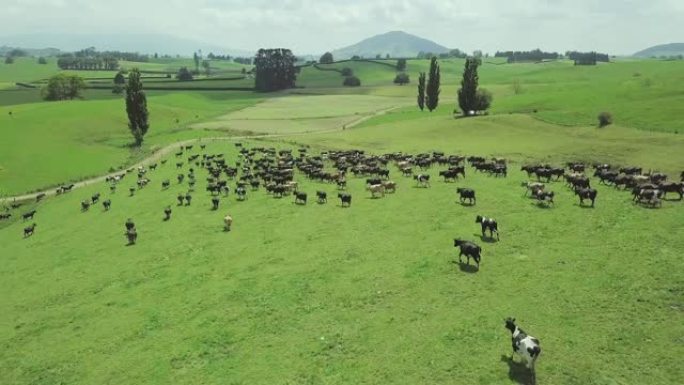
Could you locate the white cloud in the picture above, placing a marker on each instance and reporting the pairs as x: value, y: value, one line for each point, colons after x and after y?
x: 617, y: 26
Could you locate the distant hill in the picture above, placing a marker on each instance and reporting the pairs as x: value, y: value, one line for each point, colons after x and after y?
x: 31, y: 51
x: 142, y: 43
x: 672, y: 49
x: 396, y: 43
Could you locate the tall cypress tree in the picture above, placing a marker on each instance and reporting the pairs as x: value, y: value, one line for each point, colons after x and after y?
x: 421, y: 91
x: 432, y: 89
x: 467, y: 94
x: 136, y: 107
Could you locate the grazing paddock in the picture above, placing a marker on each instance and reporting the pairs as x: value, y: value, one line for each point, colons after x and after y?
x: 320, y: 294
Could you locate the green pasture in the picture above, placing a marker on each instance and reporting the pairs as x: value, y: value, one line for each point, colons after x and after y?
x: 318, y: 294
x: 54, y: 142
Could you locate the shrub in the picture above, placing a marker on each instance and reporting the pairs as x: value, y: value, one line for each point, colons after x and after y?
x: 483, y: 99
x: 42, y: 60
x: 184, y: 75
x: 402, y: 79
x: 352, y: 81
x: 605, y: 119
x: 9, y: 60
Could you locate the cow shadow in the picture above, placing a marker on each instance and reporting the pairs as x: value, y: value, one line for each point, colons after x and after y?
x: 585, y: 206
x: 543, y: 206
x: 466, y: 268
x: 518, y: 372
x: 486, y: 239
x: 464, y: 204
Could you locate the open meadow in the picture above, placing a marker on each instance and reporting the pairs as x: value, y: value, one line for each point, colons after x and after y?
x: 318, y: 293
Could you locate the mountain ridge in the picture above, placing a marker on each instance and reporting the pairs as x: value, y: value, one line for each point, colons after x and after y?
x: 671, y: 49
x: 394, y: 43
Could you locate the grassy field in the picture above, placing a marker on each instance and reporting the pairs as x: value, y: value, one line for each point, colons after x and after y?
x: 643, y: 94
x: 299, y: 114
x: 52, y: 142
x: 319, y: 294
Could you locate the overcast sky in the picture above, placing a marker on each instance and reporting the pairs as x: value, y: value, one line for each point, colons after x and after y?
x: 314, y: 26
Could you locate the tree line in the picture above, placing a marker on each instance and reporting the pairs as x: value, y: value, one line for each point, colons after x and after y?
x: 534, y: 55
x: 93, y: 60
x: 587, y: 58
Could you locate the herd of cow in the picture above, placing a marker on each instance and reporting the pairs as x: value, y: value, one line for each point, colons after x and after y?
x: 275, y: 170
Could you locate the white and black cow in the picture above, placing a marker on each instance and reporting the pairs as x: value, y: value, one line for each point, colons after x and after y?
x: 525, y: 345
x: 488, y: 224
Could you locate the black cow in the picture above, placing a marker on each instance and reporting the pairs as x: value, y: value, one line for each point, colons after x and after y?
x: 107, y: 204
x: 672, y: 187
x: 167, y: 213
x: 95, y: 198
x: 300, y: 198
x: 166, y: 184
x: 40, y: 197
x: 586, y: 193
x: 28, y: 231
x: 466, y: 193
x: 422, y: 179
x: 180, y: 198
x: 631, y: 170
x: 28, y: 215
x: 85, y: 205
x: 373, y: 181
x: 345, y: 199
x: 488, y: 224
x: 322, y: 196
x: 469, y: 249
x: 215, y: 203
x: 188, y: 199
x: 5, y: 216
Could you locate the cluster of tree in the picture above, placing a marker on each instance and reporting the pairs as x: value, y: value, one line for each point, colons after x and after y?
x: 184, y: 75
x: 63, y: 87
x: 401, y: 65
x: 454, y: 53
x: 91, y: 52
x: 428, y: 88
x: 16, y: 52
x: 472, y: 100
x: 275, y: 69
x: 327, y: 58
x: 587, y: 58
x: 211, y: 56
x: 521, y: 56
x: 42, y: 60
x: 243, y: 60
x: 103, y: 63
x: 136, y: 107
